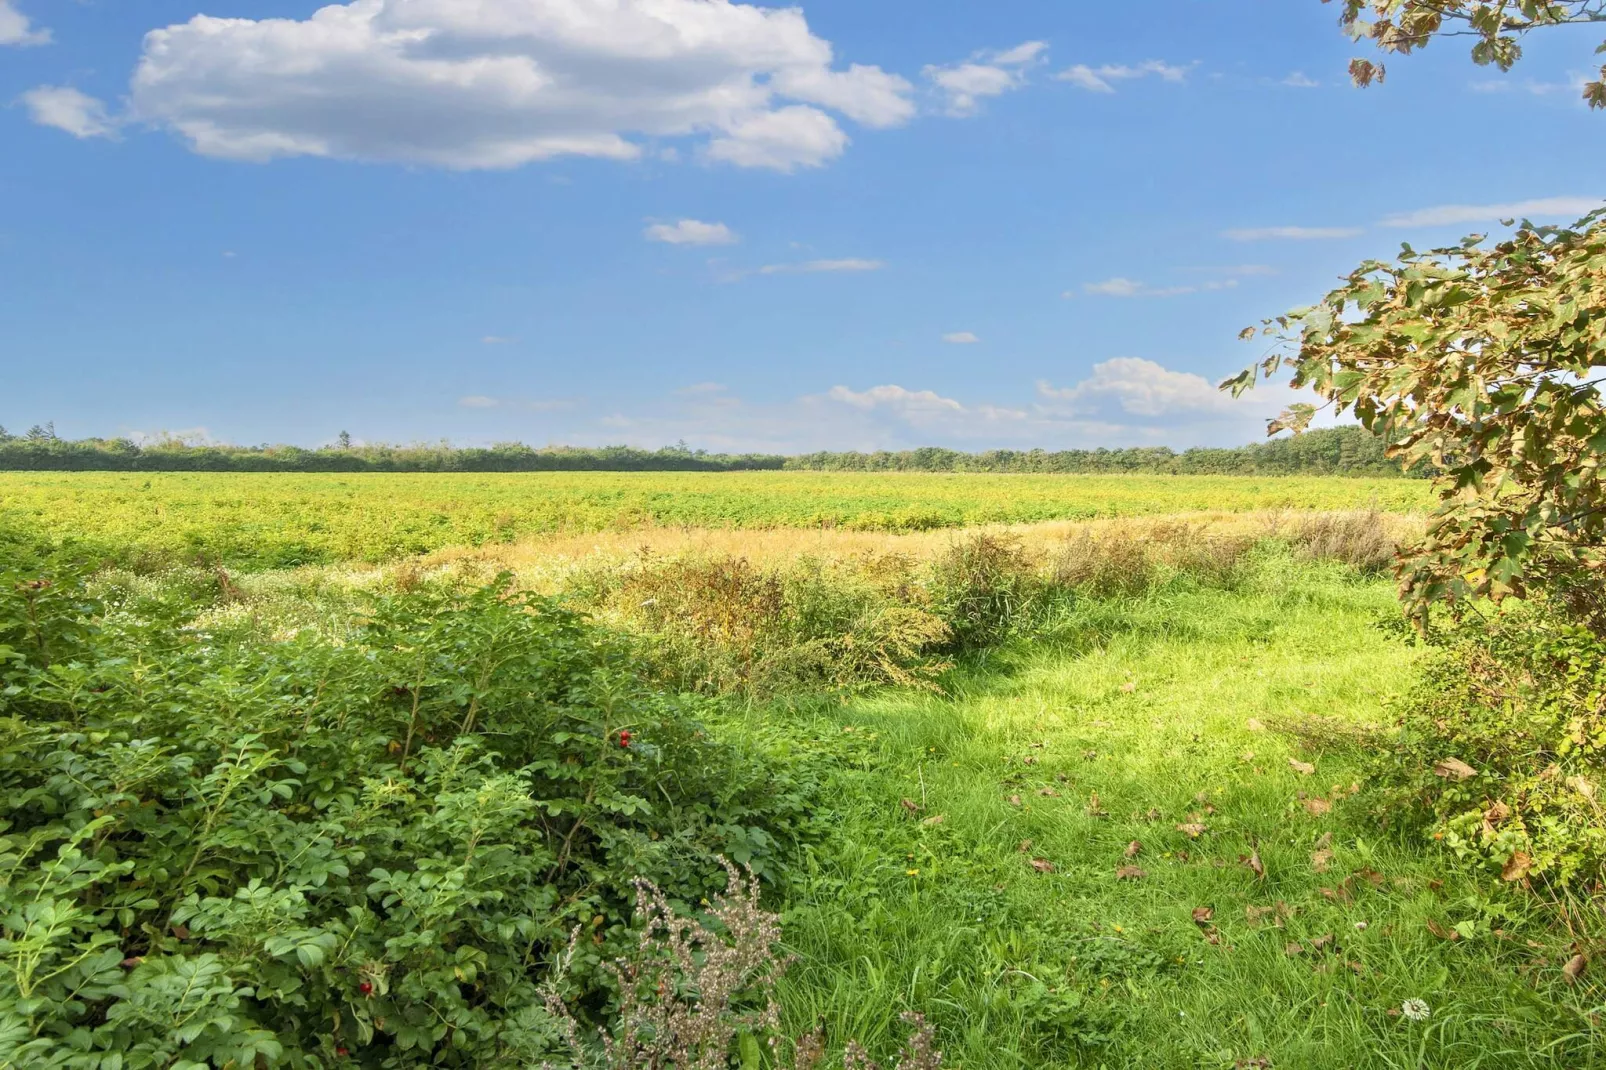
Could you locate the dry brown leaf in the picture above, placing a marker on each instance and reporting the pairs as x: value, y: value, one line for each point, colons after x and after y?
x: 1574, y: 968
x: 1323, y: 841
x: 1256, y: 866
x: 1258, y: 1062
x: 1517, y: 866
x: 1014, y: 800
x: 1203, y: 915
x: 1193, y: 829
x: 1370, y: 876
x: 1133, y: 849
x: 1049, y: 793
x: 1042, y: 865
x: 1302, y: 768
x: 1497, y: 813
x: 910, y: 805
x: 1321, y: 941
x: 1254, y: 725
x: 934, y: 819
x: 1317, y: 807
x: 1131, y: 873
x: 1153, y: 814
x: 1320, y: 860
x: 1024, y: 846
x: 1442, y: 932
x: 1093, y: 807
x: 1294, y: 947
x: 1453, y: 769
x: 1129, y: 687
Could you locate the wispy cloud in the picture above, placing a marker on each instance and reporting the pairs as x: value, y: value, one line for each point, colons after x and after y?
x: 700, y: 390
x: 1124, y: 287
x: 813, y: 266
x: 986, y: 74
x: 482, y: 401
x: 66, y: 108
x: 495, y: 340
x: 1103, y: 79
x: 1300, y: 80
x: 690, y: 232
x: 960, y: 338
x: 1450, y: 214
x: 1290, y: 233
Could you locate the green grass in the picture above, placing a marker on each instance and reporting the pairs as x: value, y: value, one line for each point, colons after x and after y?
x: 1076, y: 968
x: 280, y: 520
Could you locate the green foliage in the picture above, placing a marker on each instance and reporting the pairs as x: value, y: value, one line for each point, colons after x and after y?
x: 1404, y: 26
x: 232, y: 852
x: 1485, y: 362
x: 1501, y: 749
x: 1335, y: 451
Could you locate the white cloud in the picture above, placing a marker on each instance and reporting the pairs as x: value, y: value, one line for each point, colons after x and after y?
x: 1101, y: 79
x: 1300, y: 80
x: 65, y: 108
x: 811, y: 266
x: 1141, y: 387
x: 907, y: 402
x: 690, y: 232
x: 960, y: 338
x: 1123, y: 287
x: 985, y: 74
x: 15, y: 29
x: 495, y: 340
x: 478, y: 401
x: 1568, y: 208
x: 500, y: 83
x: 701, y: 390
x: 1290, y: 233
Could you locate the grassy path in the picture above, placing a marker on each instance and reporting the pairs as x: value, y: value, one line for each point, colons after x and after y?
x: 997, y: 909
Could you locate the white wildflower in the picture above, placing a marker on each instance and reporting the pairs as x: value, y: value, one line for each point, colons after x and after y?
x: 1415, y: 1009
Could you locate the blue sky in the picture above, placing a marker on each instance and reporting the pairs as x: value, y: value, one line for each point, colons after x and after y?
x: 853, y: 224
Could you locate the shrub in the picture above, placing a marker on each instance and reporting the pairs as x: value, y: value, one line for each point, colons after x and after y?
x: 985, y: 587
x: 1502, y: 748
x: 1361, y: 540
x: 235, y: 852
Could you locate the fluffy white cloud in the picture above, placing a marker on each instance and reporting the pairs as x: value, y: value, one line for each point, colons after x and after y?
x: 65, y: 108
x: 960, y: 338
x: 690, y: 232
x: 907, y: 402
x: 1300, y: 80
x: 15, y: 29
x: 1141, y: 387
x: 985, y: 74
x: 499, y: 83
x: 1289, y: 233
x: 1568, y: 208
x: 1101, y: 79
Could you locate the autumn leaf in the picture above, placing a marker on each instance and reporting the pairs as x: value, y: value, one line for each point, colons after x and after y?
x: 1517, y: 866
x: 1302, y: 768
x: 1203, y: 915
x: 1453, y: 769
x: 933, y: 820
x: 1049, y: 793
x: 1254, y: 863
x: 1320, y: 860
x: 1042, y: 865
x: 1132, y: 849
x: 1294, y: 947
x: 1129, y: 687
x: 1441, y: 931
x: 1024, y: 846
x: 1317, y: 807
x: 1254, y: 725
x: 1193, y: 829
x: 1574, y: 968
x: 1093, y: 807
x: 1014, y: 800
x: 910, y: 805
x: 1131, y: 873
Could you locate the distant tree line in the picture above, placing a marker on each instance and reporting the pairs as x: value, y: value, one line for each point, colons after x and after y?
x: 1333, y: 451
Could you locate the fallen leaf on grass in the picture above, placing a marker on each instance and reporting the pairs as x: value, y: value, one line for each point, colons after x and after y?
x: 1153, y: 814
x: 1294, y: 947
x: 934, y: 819
x: 1129, y: 687
x: 1193, y: 829
x: 1325, y: 840
x: 1341, y: 894
x: 1370, y: 876
x: 1321, y: 941
x: 1259, y: 1062
x: 1317, y: 807
x: 1131, y: 873
x: 1256, y: 866
x: 1024, y: 846
x: 1278, y: 914
x: 1320, y: 860
x: 1453, y: 769
x: 1014, y: 800
x: 1302, y: 768
x: 1517, y: 866
x: 1574, y: 969
x: 1254, y: 725
x: 1042, y: 865
x: 1441, y: 932
x: 1048, y: 793
x: 1093, y: 807
x: 1132, y: 849
x: 1203, y: 915
x: 910, y: 805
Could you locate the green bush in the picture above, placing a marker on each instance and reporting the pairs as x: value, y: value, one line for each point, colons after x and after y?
x: 1501, y: 751
x: 225, y: 851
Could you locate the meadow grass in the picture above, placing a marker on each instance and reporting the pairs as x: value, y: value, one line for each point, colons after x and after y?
x: 282, y: 520
x: 1188, y: 705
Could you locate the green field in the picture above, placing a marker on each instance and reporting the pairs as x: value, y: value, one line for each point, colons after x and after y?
x: 282, y: 520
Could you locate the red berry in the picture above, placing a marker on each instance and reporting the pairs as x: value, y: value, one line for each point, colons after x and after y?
x: 624, y: 738
x: 366, y: 988
x: 342, y: 1052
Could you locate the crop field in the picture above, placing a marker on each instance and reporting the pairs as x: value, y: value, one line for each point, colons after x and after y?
x: 281, y: 520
